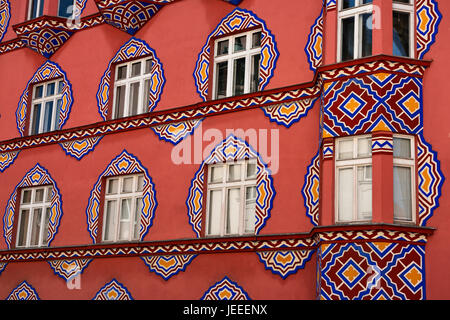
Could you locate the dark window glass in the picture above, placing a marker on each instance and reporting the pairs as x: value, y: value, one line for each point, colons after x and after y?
x: 65, y: 8
x: 37, y: 7
x: 255, y: 73
x: 239, y: 76
x: 348, y: 38
x: 366, y: 49
x: 221, y: 81
x: 401, y: 34
x: 222, y: 48
x: 36, y: 119
x: 348, y: 4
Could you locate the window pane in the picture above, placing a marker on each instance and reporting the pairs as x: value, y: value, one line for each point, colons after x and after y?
x: 38, y: 92
x: 146, y: 96
x: 216, y: 174
x: 366, y: 35
x: 348, y: 4
x: 239, y: 76
x: 60, y: 86
x: 222, y: 47
x: 36, y: 227
x: 256, y: 40
x: 401, y: 34
x: 402, y: 1
x: 37, y: 7
x: 254, y: 84
x: 120, y: 102
x: 345, y: 149
x: 402, y: 148
x: 48, y: 117
x: 49, y: 194
x: 125, y: 212
x: 233, y: 210
x: 402, y: 194
x: 39, y: 196
x: 50, y: 89
x: 221, y: 79
x: 250, y: 204
x: 127, y: 185
x: 23, y: 228
x: 364, y: 147
x: 345, y: 196
x: 240, y: 43
x: 65, y: 8
x: 36, y: 119
x: 58, y: 111
x: 140, y: 186
x: 364, y: 188
x: 26, y: 196
x: 122, y: 72
x: 148, y: 66
x: 110, y: 217
x: 251, y: 170
x: 348, y: 38
x: 136, y: 69
x: 234, y: 172
x: 134, y: 99
x: 137, y: 218
x: 113, y: 186
x: 215, y: 212
x: 46, y: 224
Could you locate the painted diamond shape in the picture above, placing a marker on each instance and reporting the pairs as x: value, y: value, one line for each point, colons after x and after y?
x: 352, y: 105
x: 351, y: 273
x: 412, y: 276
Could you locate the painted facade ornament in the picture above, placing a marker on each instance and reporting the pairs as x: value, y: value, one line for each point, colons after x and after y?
x: 133, y: 49
x: 287, y: 114
x: 113, y: 290
x: 79, y: 148
x: 35, y: 177
x: 313, y: 48
x: 124, y: 163
x: 5, y: 16
x: 285, y: 263
x: 7, y: 159
x: 24, y: 291
x: 428, y: 19
x: 168, y: 266
x: 232, y: 148
x: 226, y: 289
x: 47, y: 72
x: 310, y: 190
x: 69, y: 269
x: 238, y: 20
x: 175, y: 132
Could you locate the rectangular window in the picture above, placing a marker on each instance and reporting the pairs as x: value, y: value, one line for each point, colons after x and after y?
x: 132, y: 88
x: 46, y: 106
x: 354, y: 179
x: 231, y: 201
x: 403, y: 31
x: 355, y: 29
x: 122, y: 208
x: 35, y: 8
x: 34, y: 215
x: 404, y: 179
x: 236, y: 64
x: 66, y: 8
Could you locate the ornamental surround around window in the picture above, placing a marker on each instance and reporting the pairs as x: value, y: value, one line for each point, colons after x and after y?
x: 231, y: 198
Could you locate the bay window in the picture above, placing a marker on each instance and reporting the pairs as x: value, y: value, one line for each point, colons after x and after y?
x: 404, y: 179
x: 132, y: 88
x: 122, y: 208
x: 231, y: 200
x: 46, y: 106
x: 354, y: 29
x: 403, y: 31
x: 34, y: 214
x: 354, y: 179
x: 236, y: 64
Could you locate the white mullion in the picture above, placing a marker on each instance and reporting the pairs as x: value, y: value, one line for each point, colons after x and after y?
x: 224, y: 212
x: 356, y: 41
x: 230, y: 78
x: 55, y: 106
x: 44, y: 211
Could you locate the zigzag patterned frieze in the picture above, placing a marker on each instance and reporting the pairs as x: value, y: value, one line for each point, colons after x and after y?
x: 165, y: 117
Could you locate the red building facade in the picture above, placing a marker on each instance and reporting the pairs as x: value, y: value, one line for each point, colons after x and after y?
x: 214, y: 149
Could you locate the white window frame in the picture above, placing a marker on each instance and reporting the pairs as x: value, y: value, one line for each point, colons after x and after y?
x: 74, y: 2
x: 224, y: 186
x: 407, y: 8
x: 38, y: 9
x: 248, y: 53
x: 118, y: 197
x: 408, y: 163
x: 357, y: 11
x: 127, y: 82
x: 353, y: 164
x: 43, y: 101
x: 44, y: 205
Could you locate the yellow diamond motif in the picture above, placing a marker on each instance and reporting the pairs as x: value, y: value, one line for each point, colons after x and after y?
x: 225, y: 294
x: 424, y: 20
x: 414, y: 276
x: 412, y: 104
x: 351, y: 273
x: 352, y: 105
